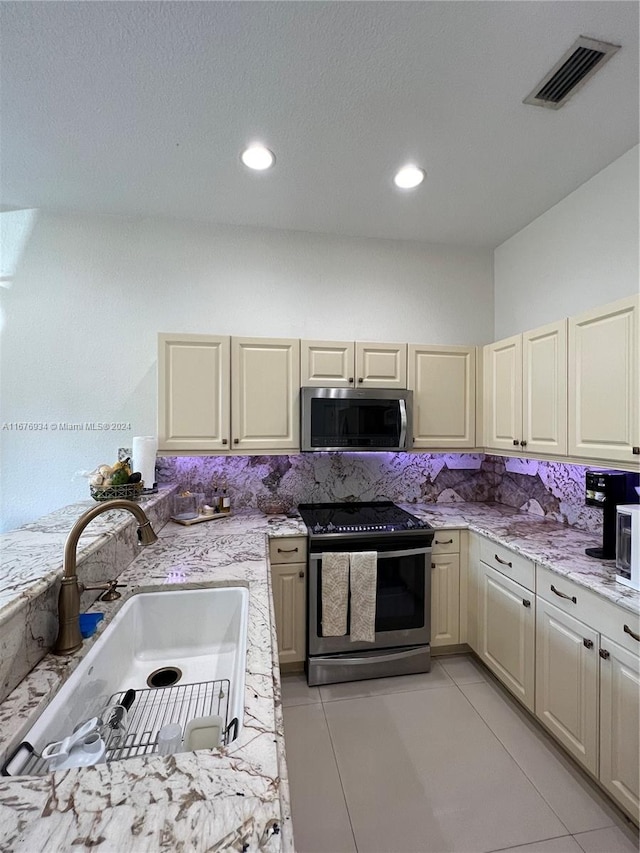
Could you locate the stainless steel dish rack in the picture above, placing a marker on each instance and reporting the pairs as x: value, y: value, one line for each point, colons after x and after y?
x: 151, y: 710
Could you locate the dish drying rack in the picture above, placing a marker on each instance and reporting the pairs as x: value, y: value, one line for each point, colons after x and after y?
x: 152, y: 709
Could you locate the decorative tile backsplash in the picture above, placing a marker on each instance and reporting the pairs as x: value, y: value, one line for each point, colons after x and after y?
x: 551, y: 489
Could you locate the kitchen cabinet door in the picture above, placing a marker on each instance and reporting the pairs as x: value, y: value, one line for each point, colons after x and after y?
x: 620, y: 725
x: 288, y: 581
x: 604, y: 351
x: 444, y: 395
x: 380, y: 365
x: 567, y: 681
x: 193, y: 392
x: 506, y: 632
x: 265, y: 394
x: 445, y: 599
x: 544, y: 401
x: 327, y: 364
x: 502, y: 393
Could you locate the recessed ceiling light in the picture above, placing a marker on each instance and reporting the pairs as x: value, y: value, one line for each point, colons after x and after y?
x: 409, y: 177
x: 258, y: 157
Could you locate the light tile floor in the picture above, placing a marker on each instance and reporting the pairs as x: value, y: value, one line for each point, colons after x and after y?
x: 444, y: 762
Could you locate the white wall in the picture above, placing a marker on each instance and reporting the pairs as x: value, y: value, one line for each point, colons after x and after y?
x: 581, y: 253
x: 90, y: 294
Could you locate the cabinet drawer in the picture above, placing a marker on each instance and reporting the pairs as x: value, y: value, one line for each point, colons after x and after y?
x: 600, y: 614
x: 512, y: 565
x: 446, y: 542
x: 287, y: 549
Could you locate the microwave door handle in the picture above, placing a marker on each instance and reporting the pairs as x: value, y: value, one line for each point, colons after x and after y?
x: 403, y: 422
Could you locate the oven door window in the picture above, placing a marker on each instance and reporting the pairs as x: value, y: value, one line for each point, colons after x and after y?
x: 400, y: 593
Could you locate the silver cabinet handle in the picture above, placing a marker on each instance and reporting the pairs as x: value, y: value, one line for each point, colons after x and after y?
x: 631, y: 633
x: 287, y: 550
x: 503, y: 562
x: 588, y: 644
x: 604, y: 654
x: 445, y: 542
x: 562, y: 595
x: 526, y: 602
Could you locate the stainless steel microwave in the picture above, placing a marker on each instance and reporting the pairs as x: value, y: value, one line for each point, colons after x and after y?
x: 356, y: 419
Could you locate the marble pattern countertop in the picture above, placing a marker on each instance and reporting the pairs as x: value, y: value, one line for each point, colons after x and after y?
x: 236, y: 798
x: 558, y: 547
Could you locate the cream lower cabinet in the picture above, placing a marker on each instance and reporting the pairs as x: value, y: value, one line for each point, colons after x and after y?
x: 506, y: 632
x: 567, y: 681
x: 604, y: 351
x: 443, y: 381
x: 287, y: 558
x: 445, y: 589
x: 620, y: 725
x: 345, y: 364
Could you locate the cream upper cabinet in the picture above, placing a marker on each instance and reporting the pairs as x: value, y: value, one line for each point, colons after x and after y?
x: 265, y: 393
x: 193, y: 392
x: 443, y: 382
x: 603, y: 382
x: 502, y: 393
x: 525, y: 391
x: 544, y: 389
x: 327, y: 364
x: 345, y: 364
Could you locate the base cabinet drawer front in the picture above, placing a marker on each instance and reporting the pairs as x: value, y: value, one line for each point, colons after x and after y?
x: 288, y: 582
x: 567, y: 681
x: 287, y: 549
x: 445, y: 600
x: 446, y: 542
x: 506, y: 633
x: 514, y: 566
x: 620, y: 725
x: 602, y: 615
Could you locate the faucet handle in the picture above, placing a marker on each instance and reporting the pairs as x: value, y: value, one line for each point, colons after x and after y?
x: 110, y: 590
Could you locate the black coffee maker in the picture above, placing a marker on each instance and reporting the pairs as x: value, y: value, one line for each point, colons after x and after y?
x: 607, y: 489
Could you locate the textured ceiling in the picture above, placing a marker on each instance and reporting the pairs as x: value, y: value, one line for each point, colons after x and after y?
x: 142, y: 109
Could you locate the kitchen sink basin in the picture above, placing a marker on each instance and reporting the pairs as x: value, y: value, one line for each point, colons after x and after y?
x: 182, y: 652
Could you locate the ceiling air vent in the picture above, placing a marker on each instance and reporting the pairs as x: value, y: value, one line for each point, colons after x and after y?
x: 578, y: 64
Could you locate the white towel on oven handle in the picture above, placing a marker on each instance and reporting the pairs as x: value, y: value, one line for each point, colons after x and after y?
x: 335, y: 593
x: 363, y: 582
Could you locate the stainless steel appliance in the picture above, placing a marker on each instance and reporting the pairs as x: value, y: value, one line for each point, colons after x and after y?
x: 607, y: 489
x: 628, y: 545
x: 403, y: 591
x: 356, y: 419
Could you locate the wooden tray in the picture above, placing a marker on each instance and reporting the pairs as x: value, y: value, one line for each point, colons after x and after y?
x: 187, y: 522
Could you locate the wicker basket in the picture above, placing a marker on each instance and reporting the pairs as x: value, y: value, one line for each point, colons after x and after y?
x: 130, y: 492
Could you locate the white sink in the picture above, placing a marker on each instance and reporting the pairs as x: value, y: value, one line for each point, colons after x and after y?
x: 202, y: 633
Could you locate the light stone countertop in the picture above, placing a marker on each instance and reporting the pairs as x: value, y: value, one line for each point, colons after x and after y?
x: 236, y: 798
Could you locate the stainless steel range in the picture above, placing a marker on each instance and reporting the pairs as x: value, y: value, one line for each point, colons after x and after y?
x: 403, y: 544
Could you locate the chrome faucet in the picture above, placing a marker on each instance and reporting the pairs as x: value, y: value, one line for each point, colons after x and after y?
x: 69, y: 638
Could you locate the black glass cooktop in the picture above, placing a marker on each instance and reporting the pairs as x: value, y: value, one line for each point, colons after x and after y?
x: 375, y: 517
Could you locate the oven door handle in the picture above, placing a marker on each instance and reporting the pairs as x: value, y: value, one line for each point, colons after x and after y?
x: 403, y: 423
x: 382, y: 555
